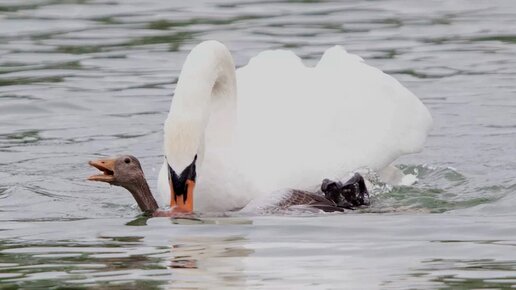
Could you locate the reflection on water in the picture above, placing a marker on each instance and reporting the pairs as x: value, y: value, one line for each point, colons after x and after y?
x: 198, y: 262
x: 469, y: 274
x: 359, y: 251
x: 81, y: 79
x: 69, y: 263
x: 124, y: 262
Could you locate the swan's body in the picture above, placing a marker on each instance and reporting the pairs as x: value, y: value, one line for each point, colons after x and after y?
x: 279, y: 124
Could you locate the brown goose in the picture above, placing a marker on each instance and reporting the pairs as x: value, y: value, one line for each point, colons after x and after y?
x: 126, y: 171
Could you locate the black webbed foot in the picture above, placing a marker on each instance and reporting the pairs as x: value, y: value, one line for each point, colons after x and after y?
x: 351, y: 194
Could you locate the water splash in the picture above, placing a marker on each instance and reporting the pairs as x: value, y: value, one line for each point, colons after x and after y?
x: 436, y: 189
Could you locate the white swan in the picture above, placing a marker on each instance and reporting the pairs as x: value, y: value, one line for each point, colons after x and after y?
x: 278, y: 124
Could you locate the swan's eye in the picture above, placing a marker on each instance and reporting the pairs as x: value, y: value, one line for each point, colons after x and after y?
x: 127, y: 160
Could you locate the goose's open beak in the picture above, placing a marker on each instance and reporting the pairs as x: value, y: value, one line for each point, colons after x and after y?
x: 107, y: 166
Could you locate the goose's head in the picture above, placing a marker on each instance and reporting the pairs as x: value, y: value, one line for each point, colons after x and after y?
x: 124, y: 171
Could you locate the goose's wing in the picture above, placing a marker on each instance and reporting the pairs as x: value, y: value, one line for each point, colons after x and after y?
x: 291, y: 200
x: 305, y: 198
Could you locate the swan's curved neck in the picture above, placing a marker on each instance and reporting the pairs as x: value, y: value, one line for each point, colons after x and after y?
x: 204, y: 99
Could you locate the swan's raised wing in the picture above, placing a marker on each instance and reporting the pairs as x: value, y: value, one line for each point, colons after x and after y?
x: 298, y: 124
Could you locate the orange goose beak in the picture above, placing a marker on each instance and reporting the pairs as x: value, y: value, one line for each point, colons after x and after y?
x: 107, y: 166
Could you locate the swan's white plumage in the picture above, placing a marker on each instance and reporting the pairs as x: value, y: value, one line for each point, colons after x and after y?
x: 296, y: 125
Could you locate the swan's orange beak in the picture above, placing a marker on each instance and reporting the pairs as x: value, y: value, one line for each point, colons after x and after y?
x: 107, y: 166
x: 183, y: 203
x: 182, y: 187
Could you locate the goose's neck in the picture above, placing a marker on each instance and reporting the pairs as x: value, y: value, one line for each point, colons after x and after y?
x: 142, y: 194
x: 205, y: 97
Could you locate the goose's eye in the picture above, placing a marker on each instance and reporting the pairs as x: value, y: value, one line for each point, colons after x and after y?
x: 127, y: 160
